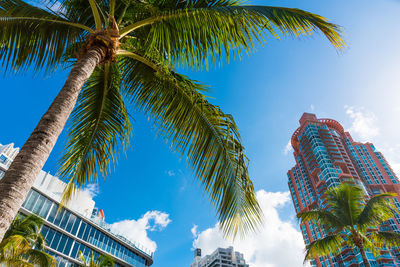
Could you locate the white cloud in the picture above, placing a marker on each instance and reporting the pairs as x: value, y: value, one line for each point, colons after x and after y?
x: 171, y: 173
x: 312, y: 107
x: 279, y: 243
x: 137, y: 229
x: 194, y: 230
x: 91, y: 190
x: 288, y: 148
x: 364, y: 123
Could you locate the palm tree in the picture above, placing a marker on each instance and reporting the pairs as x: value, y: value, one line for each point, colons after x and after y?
x: 351, y: 219
x: 23, y: 245
x: 123, y: 53
x: 101, y: 261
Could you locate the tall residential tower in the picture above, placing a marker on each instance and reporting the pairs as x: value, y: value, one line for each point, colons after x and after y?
x: 326, y: 156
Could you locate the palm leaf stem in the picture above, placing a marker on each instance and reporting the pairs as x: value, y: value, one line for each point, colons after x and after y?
x: 138, y: 58
x: 96, y: 14
x: 77, y: 25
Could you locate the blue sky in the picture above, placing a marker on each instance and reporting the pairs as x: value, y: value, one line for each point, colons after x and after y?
x: 266, y: 92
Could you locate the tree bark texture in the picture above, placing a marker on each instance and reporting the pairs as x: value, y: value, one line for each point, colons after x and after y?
x: 19, y: 178
x: 364, y: 257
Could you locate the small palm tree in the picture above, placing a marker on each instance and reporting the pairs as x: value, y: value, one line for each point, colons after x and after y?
x: 123, y: 53
x: 23, y: 245
x: 101, y: 261
x: 352, y: 219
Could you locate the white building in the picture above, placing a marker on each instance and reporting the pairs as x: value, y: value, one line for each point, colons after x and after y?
x: 79, y: 226
x: 221, y: 257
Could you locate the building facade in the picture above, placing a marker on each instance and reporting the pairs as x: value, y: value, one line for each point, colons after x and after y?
x: 326, y: 156
x: 221, y: 257
x: 79, y: 226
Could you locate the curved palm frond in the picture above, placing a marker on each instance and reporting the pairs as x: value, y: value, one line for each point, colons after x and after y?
x: 325, y: 217
x: 345, y: 201
x: 195, y: 36
x: 377, y: 210
x: 31, y: 36
x: 201, y: 131
x: 100, y: 121
x: 105, y: 261
x: 325, y: 246
x: 40, y: 258
x: 383, y: 239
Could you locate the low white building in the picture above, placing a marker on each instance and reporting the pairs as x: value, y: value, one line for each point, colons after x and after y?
x: 221, y: 257
x: 78, y: 226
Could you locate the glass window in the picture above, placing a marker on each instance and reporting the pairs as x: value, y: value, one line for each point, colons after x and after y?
x: 82, y: 230
x: 44, y: 231
x: 62, y: 243
x: 49, y: 236
x: 45, y: 209
x: 56, y: 240
x: 26, y: 199
x: 68, y: 246
x: 70, y: 222
x: 38, y: 205
x: 31, y: 201
x: 75, y: 250
x: 59, y: 217
x: 87, y: 233
x: 76, y: 226
x: 53, y: 213
x: 64, y: 220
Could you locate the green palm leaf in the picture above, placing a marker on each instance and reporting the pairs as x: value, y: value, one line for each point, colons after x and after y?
x: 194, y: 36
x: 383, y: 239
x: 324, y: 246
x: 208, y: 137
x: 32, y: 36
x: 326, y: 218
x: 99, y: 122
x: 377, y: 210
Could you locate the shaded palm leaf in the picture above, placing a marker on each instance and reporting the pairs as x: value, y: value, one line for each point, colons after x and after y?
x: 325, y: 217
x: 377, y: 210
x: 207, y: 136
x: 324, y: 246
x: 31, y: 36
x: 99, y: 122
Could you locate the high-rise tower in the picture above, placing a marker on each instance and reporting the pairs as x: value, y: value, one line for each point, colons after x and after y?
x: 326, y: 156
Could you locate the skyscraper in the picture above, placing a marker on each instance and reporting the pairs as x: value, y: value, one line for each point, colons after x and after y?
x: 326, y: 156
x: 80, y: 226
x: 221, y: 257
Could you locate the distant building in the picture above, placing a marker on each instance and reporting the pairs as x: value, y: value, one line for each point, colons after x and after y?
x: 327, y: 156
x: 77, y: 227
x: 221, y: 257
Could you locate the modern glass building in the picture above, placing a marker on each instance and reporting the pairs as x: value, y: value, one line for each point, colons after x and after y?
x: 326, y: 156
x: 77, y: 227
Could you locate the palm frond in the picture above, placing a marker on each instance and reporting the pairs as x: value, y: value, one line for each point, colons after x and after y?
x: 100, y: 121
x: 201, y: 131
x: 31, y: 36
x: 377, y: 210
x: 326, y: 218
x: 346, y: 202
x: 325, y: 246
x: 386, y: 239
x: 197, y: 36
x: 105, y: 261
x: 40, y: 258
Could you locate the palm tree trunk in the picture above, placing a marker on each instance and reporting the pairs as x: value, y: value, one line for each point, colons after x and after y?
x: 19, y: 178
x: 364, y: 256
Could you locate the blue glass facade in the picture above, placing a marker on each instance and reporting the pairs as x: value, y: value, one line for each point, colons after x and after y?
x: 67, y: 233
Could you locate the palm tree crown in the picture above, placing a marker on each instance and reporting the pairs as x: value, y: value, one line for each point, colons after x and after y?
x: 352, y: 219
x: 140, y: 42
x: 101, y: 261
x: 23, y: 244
